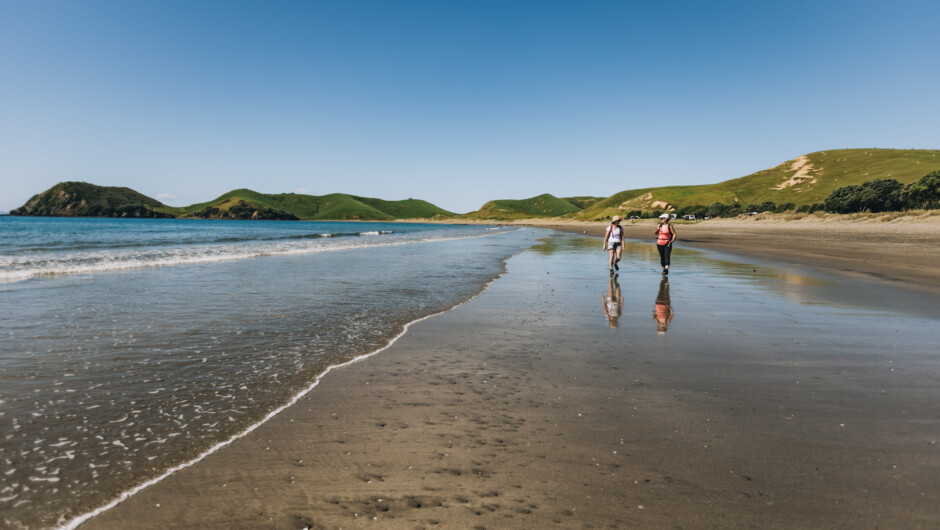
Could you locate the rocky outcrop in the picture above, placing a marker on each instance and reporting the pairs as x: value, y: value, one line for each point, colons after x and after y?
x: 80, y: 199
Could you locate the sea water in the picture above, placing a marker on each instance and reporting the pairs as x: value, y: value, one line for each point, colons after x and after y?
x: 130, y: 346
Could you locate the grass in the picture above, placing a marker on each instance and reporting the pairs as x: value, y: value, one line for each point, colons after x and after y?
x: 545, y: 205
x: 825, y: 172
x: 336, y: 206
x: 822, y: 172
x: 83, y: 199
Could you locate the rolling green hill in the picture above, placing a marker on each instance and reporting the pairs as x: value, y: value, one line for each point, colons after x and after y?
x: 542, y: 206
x: 808, y: 179
x: 336, y: 206
x: 80, y: 199
x: 583, y: 202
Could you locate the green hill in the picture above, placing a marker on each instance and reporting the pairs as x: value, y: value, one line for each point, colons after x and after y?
x: 407, y: 209
x: 80, y: 199
x: 583, y: 202
x: 808, y: 179
x: 336, y: 206
x: 88, y: 200
x: 545, y: 205
x: 803, y: 181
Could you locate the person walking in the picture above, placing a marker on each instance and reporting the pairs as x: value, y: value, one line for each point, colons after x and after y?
x: 613, y: 302
x: 665, y: 235
x: 663, y: 311
x: 613, y: 241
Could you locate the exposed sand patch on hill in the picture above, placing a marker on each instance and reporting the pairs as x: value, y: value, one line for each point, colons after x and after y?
x: 803, y: 168
x: 645, y: 202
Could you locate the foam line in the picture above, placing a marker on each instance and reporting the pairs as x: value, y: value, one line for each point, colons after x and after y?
x: 90, y: 263
x: 81, y: 519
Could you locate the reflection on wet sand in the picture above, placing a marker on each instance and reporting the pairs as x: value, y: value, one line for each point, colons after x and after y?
x: 796, y: 284
x: 663, y: 312
x: 613, y: 302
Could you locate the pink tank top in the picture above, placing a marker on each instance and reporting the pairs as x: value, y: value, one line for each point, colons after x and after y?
x: 664, y: 234
x: 662, y: 313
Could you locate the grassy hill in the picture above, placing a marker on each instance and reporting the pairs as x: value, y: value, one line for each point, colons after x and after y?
x: 80, y: 199
x: 583, y: 202
x: 407, y: 209
x: 545, y: 205
x: 807, y: 179
x: 336, y: 206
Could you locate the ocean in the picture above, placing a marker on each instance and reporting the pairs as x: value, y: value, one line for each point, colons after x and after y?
x: 131, y: 346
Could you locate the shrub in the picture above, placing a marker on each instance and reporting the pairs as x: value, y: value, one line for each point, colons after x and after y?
x: 767, y: 206
x: 876, y: 195
x: 723, y: 210
x: 924, y: 193
x: 884, y: 195
x: 697, y: 210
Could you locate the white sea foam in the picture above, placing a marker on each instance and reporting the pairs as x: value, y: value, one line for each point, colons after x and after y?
x: 20, y: 267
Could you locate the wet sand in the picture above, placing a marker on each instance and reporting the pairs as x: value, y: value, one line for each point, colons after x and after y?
x: 904, y: 251
x: 525, y: 409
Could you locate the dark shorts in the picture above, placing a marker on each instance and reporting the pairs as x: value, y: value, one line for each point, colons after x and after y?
x: 614, y: 246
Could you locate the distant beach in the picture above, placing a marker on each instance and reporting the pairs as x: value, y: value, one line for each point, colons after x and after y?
x: 778, y: 397
x: 902, y: 249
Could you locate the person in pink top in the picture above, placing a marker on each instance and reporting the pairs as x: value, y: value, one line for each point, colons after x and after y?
x: 663, y: 311
x: 665, y: 235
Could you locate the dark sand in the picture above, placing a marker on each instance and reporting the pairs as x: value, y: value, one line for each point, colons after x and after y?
x: 523, y: 409
x: 905, y: 253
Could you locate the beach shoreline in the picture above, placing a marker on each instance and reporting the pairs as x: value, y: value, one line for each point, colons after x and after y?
x: 524, y: 409
x: 899, y: 250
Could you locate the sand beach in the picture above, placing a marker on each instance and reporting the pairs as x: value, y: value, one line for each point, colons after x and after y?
x: 902, y: 249
x: 779, y: 397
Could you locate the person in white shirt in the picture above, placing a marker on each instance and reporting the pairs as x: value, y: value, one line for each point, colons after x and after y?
x: 613, y: 241
x: 613, y: 302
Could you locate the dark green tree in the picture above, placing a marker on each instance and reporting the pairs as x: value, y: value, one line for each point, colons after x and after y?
x: 723, y: 210
x: 924, y: 193
x: 883, y: 195
x: 846, y: 199
x: 717, y: 210
x: 697, y: 210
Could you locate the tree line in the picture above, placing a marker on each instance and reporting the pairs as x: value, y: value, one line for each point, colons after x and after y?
x: 881, y: 195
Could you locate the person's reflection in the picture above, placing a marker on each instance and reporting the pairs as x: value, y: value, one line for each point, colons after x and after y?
x: 663, y: 313
x: 613, y: 302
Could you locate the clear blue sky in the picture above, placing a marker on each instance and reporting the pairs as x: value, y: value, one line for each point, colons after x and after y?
x: 454, y: 102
